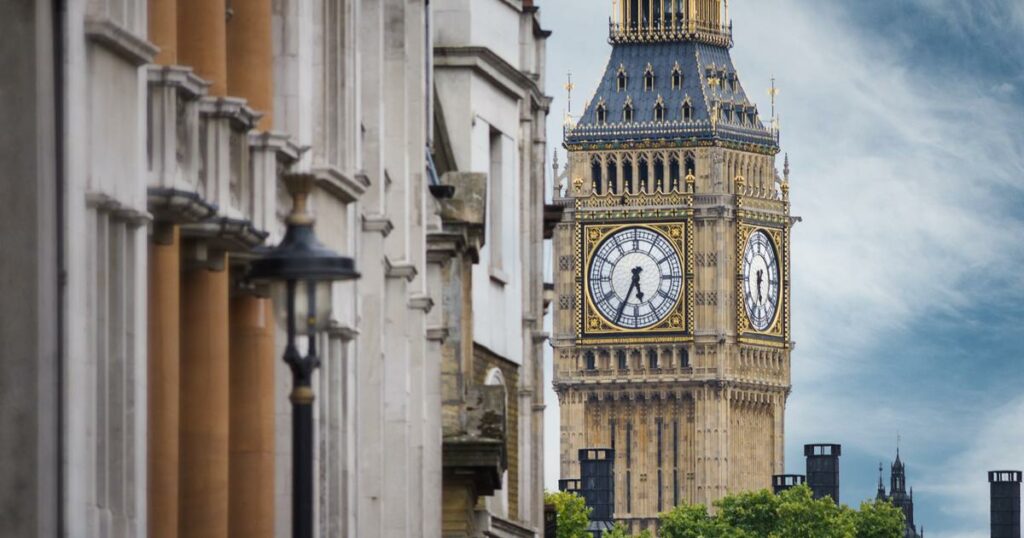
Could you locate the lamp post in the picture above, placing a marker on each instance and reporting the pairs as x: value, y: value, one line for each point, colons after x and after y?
x: 300, y: 271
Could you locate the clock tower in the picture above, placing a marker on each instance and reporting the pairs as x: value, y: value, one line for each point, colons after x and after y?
x: 672, y: 327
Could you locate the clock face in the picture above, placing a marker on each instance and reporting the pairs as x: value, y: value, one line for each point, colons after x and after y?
x: 760, y: 281
x: 635, y: 278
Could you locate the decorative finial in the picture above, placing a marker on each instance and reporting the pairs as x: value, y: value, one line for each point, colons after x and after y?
x: 773, y: 92
x: 569, y: 87
x: 299, y: 187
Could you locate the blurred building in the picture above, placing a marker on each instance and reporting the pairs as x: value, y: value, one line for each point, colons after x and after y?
x: 899, y: 495
x: 142, y: 385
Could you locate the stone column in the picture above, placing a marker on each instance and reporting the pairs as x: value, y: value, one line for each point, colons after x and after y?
x: 203, y: 473
x: 202, y: 41
x: 163, y: 30
x: 251, y: 446
x: 250, y: 54
x: 164, y: 363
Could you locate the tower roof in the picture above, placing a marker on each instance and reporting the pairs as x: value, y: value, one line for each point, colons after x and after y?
x: 673, y: 74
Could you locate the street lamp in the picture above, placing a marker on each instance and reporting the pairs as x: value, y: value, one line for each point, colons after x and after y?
x: 300, y: 271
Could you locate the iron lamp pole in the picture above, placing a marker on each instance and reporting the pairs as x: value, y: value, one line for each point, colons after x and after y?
x: 300, y: 271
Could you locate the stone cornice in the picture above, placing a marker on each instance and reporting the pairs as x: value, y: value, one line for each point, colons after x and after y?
x: 490, y: 65
x: 178, y: 76
x: 345, y: 187
x: 231, y: 108
x: 120, y: 41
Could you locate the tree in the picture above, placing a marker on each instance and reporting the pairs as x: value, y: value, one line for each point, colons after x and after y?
x: 794, y: 513
x: 573, y: 514
x: 620, y: 531
x: 879, y: 519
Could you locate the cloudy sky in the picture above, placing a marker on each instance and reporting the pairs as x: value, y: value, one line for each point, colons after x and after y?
x: 904, y: 122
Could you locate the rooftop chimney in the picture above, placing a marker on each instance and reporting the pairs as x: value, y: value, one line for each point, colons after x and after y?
x: 1005, y: 495
x: 823, y: 470
x: 598, y: 487
x: 782, y: 482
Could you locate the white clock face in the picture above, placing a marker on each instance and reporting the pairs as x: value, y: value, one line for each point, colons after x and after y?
x: 635, y: 278
x: 760, y: 281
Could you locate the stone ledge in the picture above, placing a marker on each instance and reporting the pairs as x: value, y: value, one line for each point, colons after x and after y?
x: 120, y: 41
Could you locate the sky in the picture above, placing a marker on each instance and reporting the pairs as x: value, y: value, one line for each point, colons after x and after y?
x: 903, y: 123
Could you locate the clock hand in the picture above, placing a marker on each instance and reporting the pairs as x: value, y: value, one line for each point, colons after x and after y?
x: 622, y: 307
x: 636, y: 280
x: 634, y: 284
x: 760, y: 279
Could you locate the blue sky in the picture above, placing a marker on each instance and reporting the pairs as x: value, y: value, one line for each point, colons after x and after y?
x: 903, y: 122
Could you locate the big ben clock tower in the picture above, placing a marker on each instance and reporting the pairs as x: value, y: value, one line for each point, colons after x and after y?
x: 671, y: 335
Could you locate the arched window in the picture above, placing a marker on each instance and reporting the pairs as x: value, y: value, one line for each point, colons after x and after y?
x: 595, y: 174
x: 591, y: 361
x: 621, y: 356
x: 659, y: 173
x: 649, y: 78
x: 627, y: 175
x: 691, y: 165
x: 613, y: 175
x: 684, y: 358
x: 652, y: 359
x: 621, y: 80
x: 627, y: 112
x: 673, y: 174
x: 602, y: 114
x: 644, y: 173
x: 659, y: 111
x: 687, y: 110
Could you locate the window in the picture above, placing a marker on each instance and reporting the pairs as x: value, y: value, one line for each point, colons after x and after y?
x: 659, y: 173
x: 687, y: 110
x: 659, y: 111
x: 621, y: 80
x: 677, y: 78
x: 627, y: 112
x: 627, y: 175
x: 684, y: 358
x: 620, y: 355
x: 595, y: 174
x: 613, y: 176
x: 644, y: 174
x: 602, y: 114
x: 591, y: 362
x: 673, y: 174
x: 649, y: 78
x: 495, y: 214
x: 691, y: 165
x: 652, y: 362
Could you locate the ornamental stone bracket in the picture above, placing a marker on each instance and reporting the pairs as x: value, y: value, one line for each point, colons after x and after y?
x: 477, y: 451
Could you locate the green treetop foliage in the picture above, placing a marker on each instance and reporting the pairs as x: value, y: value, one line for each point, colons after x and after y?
x: 573, y: 515
x: 791, y: 514
x: 620, y: 531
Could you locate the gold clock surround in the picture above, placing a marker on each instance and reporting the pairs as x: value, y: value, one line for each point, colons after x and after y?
x: 777, y: 333
x: 594, y: 328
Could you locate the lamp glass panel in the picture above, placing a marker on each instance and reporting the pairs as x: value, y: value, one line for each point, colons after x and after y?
x: 303, y: 326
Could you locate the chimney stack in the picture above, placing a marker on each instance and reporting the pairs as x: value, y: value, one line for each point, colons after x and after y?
x: 1005, y: 495
x: 782, y: 482
x: 570, y: 485
x: 823, y: 470
x: 598, y: 487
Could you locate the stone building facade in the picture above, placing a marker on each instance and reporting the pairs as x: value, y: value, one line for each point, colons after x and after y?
x: 671, y: 334
x: 145, y: 147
